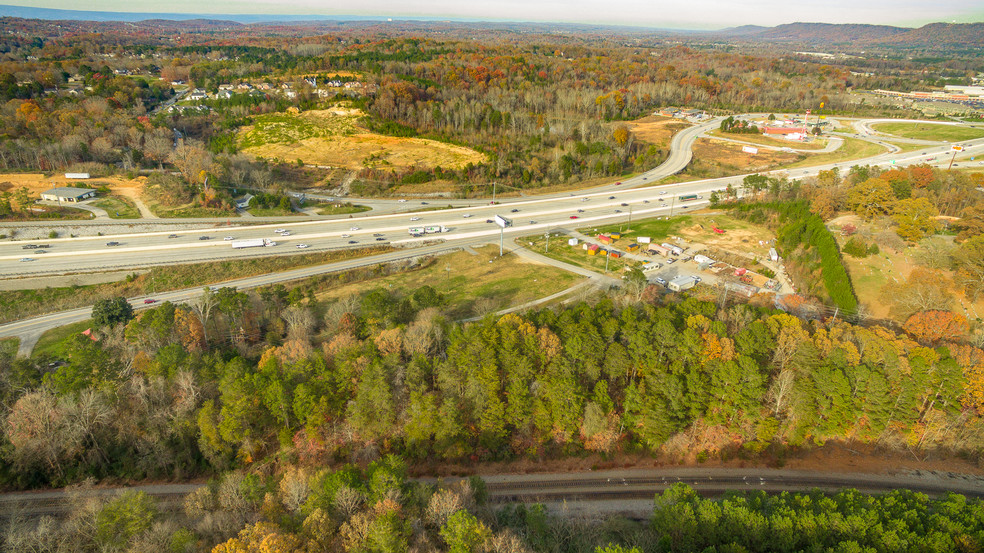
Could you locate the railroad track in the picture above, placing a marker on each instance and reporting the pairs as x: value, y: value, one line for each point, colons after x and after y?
x: 587, y: 487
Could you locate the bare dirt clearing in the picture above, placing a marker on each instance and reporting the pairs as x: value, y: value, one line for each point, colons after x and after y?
x: 656, y: 129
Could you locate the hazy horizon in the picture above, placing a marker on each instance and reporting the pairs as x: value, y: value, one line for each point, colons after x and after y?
x: 696, y: 15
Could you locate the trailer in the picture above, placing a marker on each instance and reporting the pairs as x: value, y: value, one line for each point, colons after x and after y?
x: 417, y: 231
x: 656, y: 248
x: 682, y: 283
x: 252, y: 243
x: 676, y: 250
x: 435, y: 229
x: 699, y: 259
x: 690, y: 197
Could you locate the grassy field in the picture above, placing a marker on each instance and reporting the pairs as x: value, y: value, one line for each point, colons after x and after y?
x: 118, y: 207
x: 335, y: 137
x: 852, y: 149
x: 655, y: 228
x: 54, y: 342
x: 764, y: 140
x: 8, y: 347
x: 929, y: 131
x: 466, y: 278
x: 739, y: 236
x: 574, y: 255
x: 342, y: 209
x: 189, y: 211
x: 19, y: 304
x: 272, y: 212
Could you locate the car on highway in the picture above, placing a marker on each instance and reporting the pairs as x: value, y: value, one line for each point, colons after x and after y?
x: 684, y: 207
x: 302, y: 246
x: 645, y: 201
x: 380, y: 239
x: 532, y: 222
x: 625, y: 204
x: 353, y: 229
x: 467, y: 215
x: 618, y: 183
x: 377, y: 234
x: 611, y: 197
x: 227, y: 238
x: 489, y: 221
x: 661, y: 280
x: 149, y: 300
x: 26, y: 259
x: 423, y: 203
x: 203, y: 237
x: 36, y: 252
x: 285, y: 233
x: 402, y: 201
x: 414, y: 218
x: 573, y: 216
x: 618, y: 211
x: 279, y: 230
x: 580, y: 211
x: 585, y: 199
x: 113, y: 243
x: 172, y: 235
x: 29, y: 247
x: 513, y: 210
x: 346, y: 235
x: 353, y: 242
x: 662, y: 192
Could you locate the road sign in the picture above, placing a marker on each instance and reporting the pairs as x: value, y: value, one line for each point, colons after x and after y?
x: 750, y: 150
x: 956, y: 148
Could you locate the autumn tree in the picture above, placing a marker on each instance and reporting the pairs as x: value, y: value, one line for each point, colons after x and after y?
x: 870, y: 198
x: 915, y: 218
x: 968, y: 260
x: 932, y: 327
x: 923, y: 290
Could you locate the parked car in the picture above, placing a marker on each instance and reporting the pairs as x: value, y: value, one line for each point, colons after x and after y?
x: 661, y: 280
x: 532, y: 222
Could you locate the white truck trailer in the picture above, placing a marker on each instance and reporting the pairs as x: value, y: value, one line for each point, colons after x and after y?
x: 252, y: 243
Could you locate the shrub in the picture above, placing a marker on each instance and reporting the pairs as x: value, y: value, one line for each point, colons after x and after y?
x: 856, y: 247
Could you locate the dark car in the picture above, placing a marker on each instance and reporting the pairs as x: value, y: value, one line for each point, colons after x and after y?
x: 625, y: 204
x: 43, y: 246
x: 580, y: 211
x: 112, y: 243
x: 380, y: 239
x: 29, y: 247
x: 611, y: 197
x: 376, y: 234
x: 203, y: 237
x: 514, y: 210
x: 353, y: 242
x: 172, y: 235
x: 489, y: 221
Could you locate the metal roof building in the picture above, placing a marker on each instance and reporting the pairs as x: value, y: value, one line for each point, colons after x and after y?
x: 68, y: 194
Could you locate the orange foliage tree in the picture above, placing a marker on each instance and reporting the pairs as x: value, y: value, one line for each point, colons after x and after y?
x: 932, y: 327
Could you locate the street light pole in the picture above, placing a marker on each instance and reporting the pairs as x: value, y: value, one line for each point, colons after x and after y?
x: 493, y: 194
x: 502, y: 231
x: 547, y: 249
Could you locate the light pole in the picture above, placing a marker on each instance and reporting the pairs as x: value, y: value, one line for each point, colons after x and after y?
x: 493, y: 197
x: 547, y: 248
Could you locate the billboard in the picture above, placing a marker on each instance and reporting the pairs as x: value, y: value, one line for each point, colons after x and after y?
x: 749, y: 149
x: 643, y: 239
x: 502, y: 221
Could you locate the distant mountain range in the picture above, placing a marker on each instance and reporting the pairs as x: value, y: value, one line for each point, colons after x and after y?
x: 934, y: 36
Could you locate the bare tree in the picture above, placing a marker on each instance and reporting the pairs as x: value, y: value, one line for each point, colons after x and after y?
x: 202, y: 307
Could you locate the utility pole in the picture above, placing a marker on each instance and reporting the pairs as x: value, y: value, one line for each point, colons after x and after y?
x: 951, y: 160
x: 547, y: 249
x: 672, y: 201
x: 502, y: 231
x: 493, y: 195
x: 630, y: 218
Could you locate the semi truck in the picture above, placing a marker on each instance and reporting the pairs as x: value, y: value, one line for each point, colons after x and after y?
x: 420, y: 231
x: 252, y: 243
x: 689, y: 197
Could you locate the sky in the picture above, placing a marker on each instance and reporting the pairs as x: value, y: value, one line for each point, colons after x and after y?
x: 683, y: 14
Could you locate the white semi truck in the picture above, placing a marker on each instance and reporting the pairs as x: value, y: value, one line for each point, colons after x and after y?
x: 252, y: 243
x: 420, y: 231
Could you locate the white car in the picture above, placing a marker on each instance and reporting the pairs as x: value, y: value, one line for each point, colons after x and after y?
x: 302, y: 246
x: 353, y: 229
x: 285, y: 233
x: 26, y: 259
x: 467, y: 215
x: 663, y: 192
x: 346, y: 236
x: 279, y: 230
x: 227, y: 238
x: 402, y: 201
x: 415, y: 218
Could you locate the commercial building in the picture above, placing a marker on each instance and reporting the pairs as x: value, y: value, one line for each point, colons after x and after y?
x: 68, y: 194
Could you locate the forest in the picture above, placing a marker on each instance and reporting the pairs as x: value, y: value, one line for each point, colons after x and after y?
x: 545, y: 108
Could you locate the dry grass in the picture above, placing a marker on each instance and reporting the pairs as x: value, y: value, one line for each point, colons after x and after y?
x: 336, y: 138
x: 656, y: 129
x: 465, y: 278
x: 764, y: 140
x: 729, y: 155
